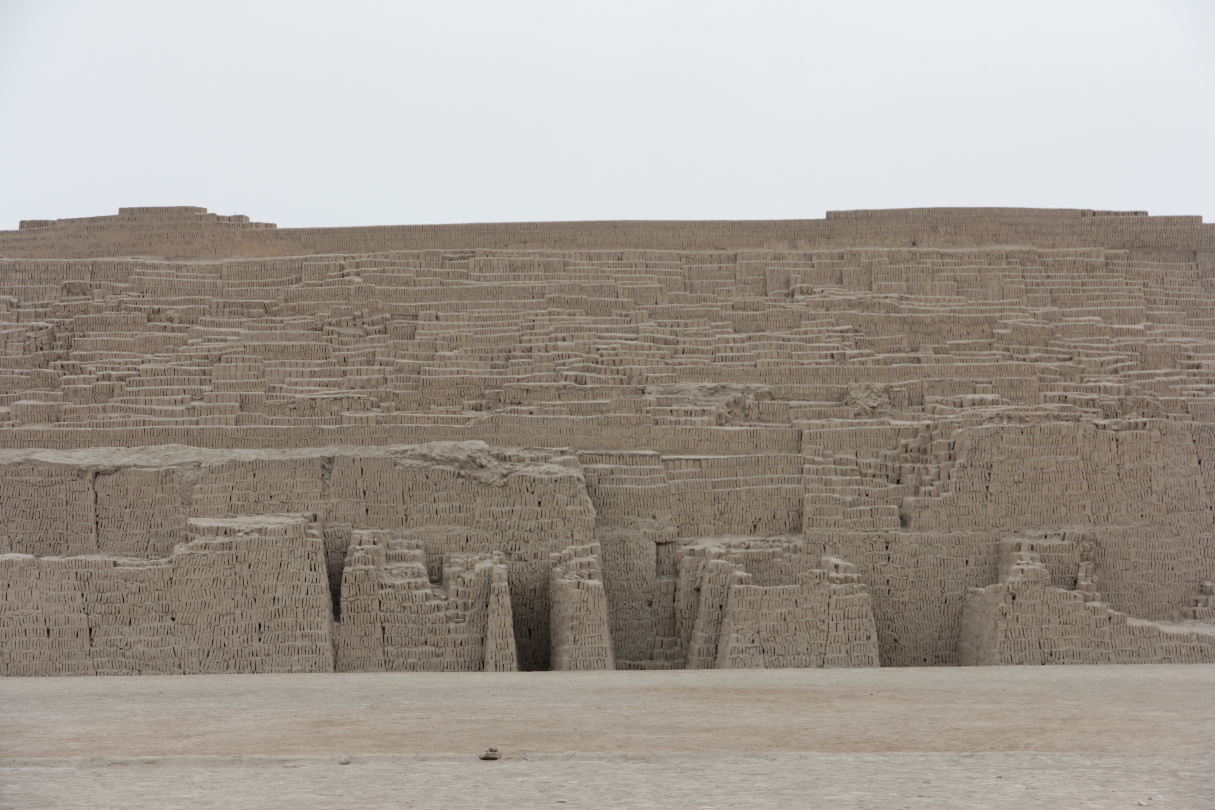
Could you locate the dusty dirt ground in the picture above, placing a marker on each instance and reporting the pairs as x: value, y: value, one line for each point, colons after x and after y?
x: 1014, y: 737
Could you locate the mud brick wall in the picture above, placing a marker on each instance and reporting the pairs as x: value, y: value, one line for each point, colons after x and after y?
x: 48, y: 511
x: 395, y: 620
x: 251, y: 596
x: 697, y: 412
x: 634, y: 514
x: 190, y: 231
x: 581, y: 634
x: 1141, y: 482
x: 242, y: 595
x: 259, y: 487
x: 139, y: 512
x: 1023, y: 619
x: 474, y: 503
x: 67, y: 510
x: 765, y: 603
x: 825, y: 620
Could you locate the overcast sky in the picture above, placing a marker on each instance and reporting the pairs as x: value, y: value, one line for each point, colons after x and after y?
x: 361, y: 113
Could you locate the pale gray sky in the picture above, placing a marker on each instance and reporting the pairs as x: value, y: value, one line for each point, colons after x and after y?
x: 360, y: 113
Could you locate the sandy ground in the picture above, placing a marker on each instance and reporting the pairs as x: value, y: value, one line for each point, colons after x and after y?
x: 1092, y: 737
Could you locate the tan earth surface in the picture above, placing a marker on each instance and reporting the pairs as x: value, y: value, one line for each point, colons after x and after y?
x: 1012, y: 737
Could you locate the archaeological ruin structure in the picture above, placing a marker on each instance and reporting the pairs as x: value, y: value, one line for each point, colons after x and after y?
x: 922, y: 437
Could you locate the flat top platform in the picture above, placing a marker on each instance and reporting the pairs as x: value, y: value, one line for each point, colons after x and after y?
x: 1111, y: 736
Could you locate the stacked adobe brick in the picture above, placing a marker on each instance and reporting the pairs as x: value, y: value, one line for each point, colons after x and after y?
x: 695, y: 414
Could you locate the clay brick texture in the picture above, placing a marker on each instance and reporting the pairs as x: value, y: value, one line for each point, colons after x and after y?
x: 925, y: 437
